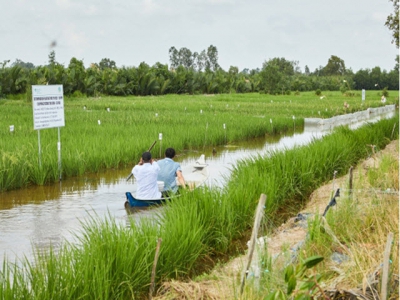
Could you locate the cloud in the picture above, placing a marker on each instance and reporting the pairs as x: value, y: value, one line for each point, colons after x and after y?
x: 63, y: 4
x: 149, y: 6
x: 76, y: 40
x: 380, y: 17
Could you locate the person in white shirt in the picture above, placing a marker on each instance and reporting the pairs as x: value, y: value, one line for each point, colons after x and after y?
x: 146, y: 172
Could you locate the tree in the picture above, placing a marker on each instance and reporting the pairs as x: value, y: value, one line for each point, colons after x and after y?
x: 185, y: 58
x: 174, y: 57
x: 306, y: 70
x: 363, y: 80
x: 201, y: 60
x: 25, y: 65
x: 396, y: 67
x: 51, y: 78
x: 393, y: 80
x: 375, y: 76
x: 76, y: 76
x: 212, y: 55
x: 232, y: 78
x: 392, y: 22
x: 335, y: 66
x: 275, y: 75
x: 107, y: 63
x: 271, y: 78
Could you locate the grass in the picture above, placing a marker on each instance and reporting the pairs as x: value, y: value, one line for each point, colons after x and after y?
x: 357, y: 229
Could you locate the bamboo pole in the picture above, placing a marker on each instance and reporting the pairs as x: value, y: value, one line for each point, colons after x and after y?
x: 385, y: 272
x: 253, y: 239
x: 153, y: 271
x: 351, y: 181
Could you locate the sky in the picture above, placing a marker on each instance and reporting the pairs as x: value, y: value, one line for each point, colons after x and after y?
x: 247, y: 33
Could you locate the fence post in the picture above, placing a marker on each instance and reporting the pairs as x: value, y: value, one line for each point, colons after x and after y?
x: 385, y: 272
x: 253, y: 239
x: 351, y: 181
x: 153, y: 271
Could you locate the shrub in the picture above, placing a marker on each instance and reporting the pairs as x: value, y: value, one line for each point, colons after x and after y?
x: 77, y: 94
x: 385, y: 92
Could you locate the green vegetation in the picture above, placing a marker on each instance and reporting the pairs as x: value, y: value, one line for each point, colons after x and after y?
x: 356, y: 232
x: 112, y: 262
x: 133, y: 123
x: 189, y: 73
x: 392, y: 22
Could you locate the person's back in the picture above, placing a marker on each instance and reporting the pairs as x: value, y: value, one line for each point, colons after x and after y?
x: 146, y: 173
x: 169, y: 171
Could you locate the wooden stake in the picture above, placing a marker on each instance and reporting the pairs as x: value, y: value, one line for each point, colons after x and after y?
x: 385, y: 272
x: 253, y: 239
x: 351, y: 181
x: 153, y: 271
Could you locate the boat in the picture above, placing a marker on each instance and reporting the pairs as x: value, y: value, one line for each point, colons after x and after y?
x: 195, y: 176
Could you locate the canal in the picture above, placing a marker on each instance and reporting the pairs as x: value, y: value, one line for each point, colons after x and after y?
x: 39, y: 216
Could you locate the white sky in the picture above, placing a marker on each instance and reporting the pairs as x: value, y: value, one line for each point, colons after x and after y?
x: 245, y: 32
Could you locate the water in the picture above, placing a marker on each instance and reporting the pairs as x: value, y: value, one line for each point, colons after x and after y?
x: 40, y: 216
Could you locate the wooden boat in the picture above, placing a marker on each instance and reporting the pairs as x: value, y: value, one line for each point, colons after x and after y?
x: 195, y: 176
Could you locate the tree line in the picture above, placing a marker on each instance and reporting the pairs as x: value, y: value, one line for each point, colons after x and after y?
x: 190, y: 73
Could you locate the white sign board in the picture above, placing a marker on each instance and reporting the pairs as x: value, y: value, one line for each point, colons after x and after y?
x: 48, y: 106
x: 363, y: 95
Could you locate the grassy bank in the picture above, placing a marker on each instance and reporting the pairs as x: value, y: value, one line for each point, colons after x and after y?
x: 111, y: 132
x: 110, y: 262
x: 354, y: 241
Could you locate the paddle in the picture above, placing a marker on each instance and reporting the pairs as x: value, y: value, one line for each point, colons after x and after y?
x: 151, y: 147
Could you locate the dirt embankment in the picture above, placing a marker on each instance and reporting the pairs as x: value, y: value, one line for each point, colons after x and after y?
x: 223, y: 281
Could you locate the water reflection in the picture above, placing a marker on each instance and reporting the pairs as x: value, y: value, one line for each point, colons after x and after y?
x: 44, y: 215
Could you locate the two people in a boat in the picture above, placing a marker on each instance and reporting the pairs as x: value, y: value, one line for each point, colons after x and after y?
x: 149, y: 171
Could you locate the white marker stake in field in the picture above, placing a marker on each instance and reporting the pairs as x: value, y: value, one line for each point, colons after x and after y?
x: 160, y: 138
x: 225, y: 131
x: 48, y: 112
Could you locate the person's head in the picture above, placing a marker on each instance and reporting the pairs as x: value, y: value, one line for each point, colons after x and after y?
x: 146, y: 157
x: 170, y: 152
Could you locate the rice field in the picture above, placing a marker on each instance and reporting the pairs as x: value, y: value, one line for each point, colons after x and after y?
x: 112, y: 132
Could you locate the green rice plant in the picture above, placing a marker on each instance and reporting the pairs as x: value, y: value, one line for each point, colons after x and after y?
x: 133, y: 123
x: 218, y: 217
x: 12, y: 282
x: 182, y: 233
x: 116, y: 262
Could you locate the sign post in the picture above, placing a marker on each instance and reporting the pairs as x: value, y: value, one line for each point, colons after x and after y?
x: 48, y: 112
